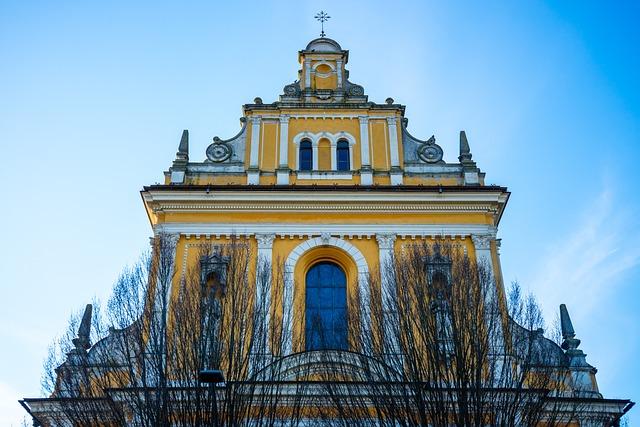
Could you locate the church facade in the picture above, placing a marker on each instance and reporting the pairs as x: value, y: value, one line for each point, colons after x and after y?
x: 331, y: 188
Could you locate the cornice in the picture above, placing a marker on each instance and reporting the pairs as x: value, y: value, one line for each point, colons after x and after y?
x: 292, y: 230
x: 330, y: 195
x: 322, y: 207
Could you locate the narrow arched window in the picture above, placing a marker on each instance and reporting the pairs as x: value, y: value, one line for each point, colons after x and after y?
x: 326, y: 308
x: 343, y: 163
x: 305, y: 160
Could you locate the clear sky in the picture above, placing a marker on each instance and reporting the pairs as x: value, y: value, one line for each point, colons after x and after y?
x: 94, y: 97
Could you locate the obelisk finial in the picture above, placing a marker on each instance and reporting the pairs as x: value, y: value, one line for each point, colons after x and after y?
x: 570, y: 342
x: 465, y: 151
x: 83, y: 341
x: 183, y: 147
x: 322, y: 16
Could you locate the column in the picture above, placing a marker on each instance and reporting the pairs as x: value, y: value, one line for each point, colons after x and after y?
x: 389, y: 294
x: 339, y: 72
x: 253, y: 173
x: 395, y: 173
x: 307, y: 73
x: 264, y: 270
x: 482, y: 245
x: 314, y: 147
x: 334, y: 155
x: 282, y: 174
x: 366, y: 174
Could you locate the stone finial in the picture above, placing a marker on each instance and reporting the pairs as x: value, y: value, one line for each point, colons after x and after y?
x: 183, y: 147
x: 570, y: 342
x: 83, y: 341
x: 465, y: 151
x: 257, y: 100
x: 583, y: 375
x: 389, y: 100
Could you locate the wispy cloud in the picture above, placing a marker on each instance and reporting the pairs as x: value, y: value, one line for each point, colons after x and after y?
x: 583, y: 265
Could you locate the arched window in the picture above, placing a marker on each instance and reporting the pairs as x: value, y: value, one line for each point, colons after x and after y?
x: 343, y: 163
x: 305, y: 160
x: 326, y: 308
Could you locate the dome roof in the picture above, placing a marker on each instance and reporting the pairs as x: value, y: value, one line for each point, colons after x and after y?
x: 323, y: 44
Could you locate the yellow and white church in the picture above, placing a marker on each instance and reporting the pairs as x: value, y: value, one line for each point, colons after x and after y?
x: 329, y: 184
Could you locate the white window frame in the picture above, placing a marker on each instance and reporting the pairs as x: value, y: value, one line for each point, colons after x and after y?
x: 333, y: 141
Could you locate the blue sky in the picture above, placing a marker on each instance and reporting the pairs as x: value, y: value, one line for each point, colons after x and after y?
x: 93, y: 98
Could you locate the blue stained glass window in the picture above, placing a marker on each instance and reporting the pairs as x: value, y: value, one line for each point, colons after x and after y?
x: 343, y: 156
x: 306, y: 156
x: 326, y: 307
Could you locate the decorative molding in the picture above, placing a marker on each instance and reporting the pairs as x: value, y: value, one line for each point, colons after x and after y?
x: 265, y: 241
x: 364, y: 142
x: 315, y: 140
x: 255, y: 141
x: 219, y: 151
x: 386, y: 240
x: 322, y: 175
x: 393, y: 142
x: 301, y: 230
x: 328, y: 195
x: 483, y: 241
x: 424, y: 207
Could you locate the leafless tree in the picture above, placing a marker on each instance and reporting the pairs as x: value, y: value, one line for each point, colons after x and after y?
x: 448, y: 347
x: 155, y: 337
x: 440, y: 344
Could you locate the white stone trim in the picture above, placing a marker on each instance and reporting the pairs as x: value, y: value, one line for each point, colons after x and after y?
x: 330, y: 175
x: 297, y: 230
x: 325, y: 116
x: 364, y: 141
x: 290, y: 264
x: 387, y: 196
x: 264, y: 260
x: 393, y: 141
x: 386, y: 243
x: 396, y: 177
x: 307, y: 73
x: 255, y: 141
x: 284, y: 141
x: 323, y: 75
x: 333, y: 141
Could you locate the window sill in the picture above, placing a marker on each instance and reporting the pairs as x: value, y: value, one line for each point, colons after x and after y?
x: 325, y: 175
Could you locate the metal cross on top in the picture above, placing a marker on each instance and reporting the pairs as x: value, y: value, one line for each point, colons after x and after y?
x: 322, y: 16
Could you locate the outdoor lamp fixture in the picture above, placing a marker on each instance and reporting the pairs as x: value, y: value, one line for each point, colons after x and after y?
x: 211, y: 376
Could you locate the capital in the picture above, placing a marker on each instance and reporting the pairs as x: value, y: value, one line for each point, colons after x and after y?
x: 482, y: 241
x: 386, y: 240
x: 255, y: 120
x: 391, y: 121
x: 363, y: 119
x: 284, y: 119
x: 265, y: 241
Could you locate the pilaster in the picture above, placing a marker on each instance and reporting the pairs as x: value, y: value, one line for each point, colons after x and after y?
x: 366, y: 174
x: 307, y: 73
x: 334, y: 155
x: 393, y: 141
x: 253, y: 173
x: 389, y: 293
x: 395, y: 173
x: 282, y: 173
x: 339, y: 72
x: 314, y: 148
x: 263, y: 288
